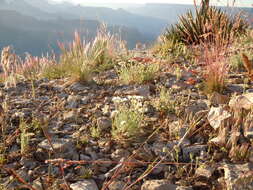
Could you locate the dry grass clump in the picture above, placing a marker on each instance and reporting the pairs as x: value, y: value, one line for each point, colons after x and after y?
x: 80, y: 59
x: 136, y: 73
x: 14, y: 68
x: 216, y: 70
x: 173, y: 50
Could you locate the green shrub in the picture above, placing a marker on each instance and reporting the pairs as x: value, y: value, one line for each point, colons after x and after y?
x: 137, y: 73
x: 167, y: 103
x: 236, y: 62
x: 127, y: 123
x: 173, y: 50
x: 244, y: 41
x: 243, y: 44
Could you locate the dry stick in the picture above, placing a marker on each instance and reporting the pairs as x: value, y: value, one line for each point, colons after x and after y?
x: 61, y: 162
x: 157, y: 163
x: 117, y: 172
x: 47, y: 135
x: 12, y: 138
x: 148, y: 171
x: 61, y: 167
x: 67, y: 163
x: 161, y: 161
x: 187, y: 133
x: 20, y: 179
x: 42, y: 184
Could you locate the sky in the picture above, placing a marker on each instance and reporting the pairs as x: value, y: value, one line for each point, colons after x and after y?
x: 221, y: 2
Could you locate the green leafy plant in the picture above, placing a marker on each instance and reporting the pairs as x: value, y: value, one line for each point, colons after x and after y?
x: 24, y: 137
x: 87, y: 173
x: 95, y: 132
x: 236, y: 61
x: 167, y: 103
x: 244, y: 41
x: 2, y: 157
x: 127, y: 123
x: 35, y: 125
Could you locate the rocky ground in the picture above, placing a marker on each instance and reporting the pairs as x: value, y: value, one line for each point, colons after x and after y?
x: 58, y: 135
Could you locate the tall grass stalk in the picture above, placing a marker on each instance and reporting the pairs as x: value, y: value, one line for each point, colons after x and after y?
x: 216, y: 69
x: 15, y: 68
x: 79, y: 59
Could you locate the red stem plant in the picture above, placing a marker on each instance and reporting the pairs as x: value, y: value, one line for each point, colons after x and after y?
x: 215, y: 69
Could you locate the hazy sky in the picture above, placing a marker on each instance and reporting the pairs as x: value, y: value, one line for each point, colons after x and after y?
x: 222, y: 2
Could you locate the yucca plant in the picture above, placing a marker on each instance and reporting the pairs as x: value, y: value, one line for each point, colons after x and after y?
x: 207, y: 24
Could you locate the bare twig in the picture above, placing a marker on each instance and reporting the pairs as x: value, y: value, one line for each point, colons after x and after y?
x: 20, y: 179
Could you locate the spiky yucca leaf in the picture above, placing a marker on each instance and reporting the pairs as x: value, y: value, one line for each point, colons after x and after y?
x: 208, y: 24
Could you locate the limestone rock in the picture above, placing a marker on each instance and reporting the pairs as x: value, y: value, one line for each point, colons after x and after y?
x: 116, y: 185
x: 238, y: 176
x: 244, y: 101
x: 64, y: 148
x: 204, y: 172
x: 84, y: 185
x: 104, y: 123
x: 73, y: 101
x: 217, y: 115
x: 217, y: 99
x: 158, y: 185
x: 70, y: 116
x: 194, y: 150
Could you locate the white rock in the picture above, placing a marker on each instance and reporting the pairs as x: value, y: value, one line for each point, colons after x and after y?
x: 205, y: 172
x: 244, y: 101
x: 87, y: 184
x: 70, y: 116
x: 158, y: 185
x: 73, y: 101
x: 217, y: 115
x: 58, y: 144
